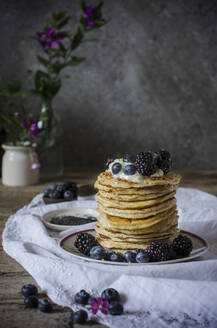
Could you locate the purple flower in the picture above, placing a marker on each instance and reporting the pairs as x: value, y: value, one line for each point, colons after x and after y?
x: 99, y: 305
x: 33, y: 130
x: 34, y: 166
x: 90, y: 23
x: 48, y: 38
x: 89, y: 11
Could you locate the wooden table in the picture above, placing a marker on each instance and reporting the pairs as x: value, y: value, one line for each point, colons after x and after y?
x: 13, y: 276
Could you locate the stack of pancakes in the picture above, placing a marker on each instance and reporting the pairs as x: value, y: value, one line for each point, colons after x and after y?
x: 132, y: 214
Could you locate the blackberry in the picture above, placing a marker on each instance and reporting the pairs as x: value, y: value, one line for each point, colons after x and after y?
x: 182, y: 245
x: 165, y: 162
x: 145, y: 163
x: 84, y: 242
x: 108, y: 162
x: 158, y: 251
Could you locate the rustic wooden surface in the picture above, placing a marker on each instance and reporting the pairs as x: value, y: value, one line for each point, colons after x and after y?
x: 13, y: 276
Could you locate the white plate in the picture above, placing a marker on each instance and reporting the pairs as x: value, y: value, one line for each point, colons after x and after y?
x: 200, y: 246
x: 80, y: 212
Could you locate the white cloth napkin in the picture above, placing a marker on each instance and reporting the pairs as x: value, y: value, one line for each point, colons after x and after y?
x: 167, y: 295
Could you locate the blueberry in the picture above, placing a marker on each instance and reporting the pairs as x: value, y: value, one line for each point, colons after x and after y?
x: 109, y: 252
x: 28, y: 290
x: 97, y: 253
x: 111, y: 295
x: 70, y: 185
x: 59, y: 188
x: 82, y: 297
x: 157, y: 158
x: 115, y: 308
x: 53, y: 186
x: 45, y: 306
x: 31, y: 301
x: 116, y: 257
x: 142, y: 257
x: 68, y: 194
x: 46, y: 192
x: 129, y: 169
x: 130, y: 257
x: 55, y: 195
x: 116, y: 167
x: 129, y: 158
x: 80, y: 317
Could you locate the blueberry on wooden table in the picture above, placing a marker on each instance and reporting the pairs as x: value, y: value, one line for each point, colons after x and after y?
x: 45, y: 306
x: 28, y: 290
x: 31, y: 301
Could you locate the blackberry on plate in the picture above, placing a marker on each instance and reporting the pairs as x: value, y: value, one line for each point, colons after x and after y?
x: 97, y: 253
x: 84, y: 242
x: 129, y: 158
x: 145, y: 163
x: 115, y: 308
x: 45, y: 306
x: 182, y: 245
x: 142, y: 257
x: 29, y: 289
x: 111, y: 295
x: 31, y: 301
x: 116, y: 168
x: 129, y: 170
x: 108, y: 162
x: 82, y: 297
x: 158, y: 251
x: 80, y: 317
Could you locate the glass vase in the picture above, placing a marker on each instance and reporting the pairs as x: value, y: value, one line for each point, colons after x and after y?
x: 50, y: 150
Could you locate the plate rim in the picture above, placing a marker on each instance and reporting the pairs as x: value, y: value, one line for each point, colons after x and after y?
x: 182, y: 259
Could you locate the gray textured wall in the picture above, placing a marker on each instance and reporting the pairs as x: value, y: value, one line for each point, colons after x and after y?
x: 151, y: 82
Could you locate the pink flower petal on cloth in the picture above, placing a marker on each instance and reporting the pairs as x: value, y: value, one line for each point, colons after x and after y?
x: 94, y: 311
x: 94, y: 304
x: 99, y: 300
x: 105, y: 304
x: 104, y: 311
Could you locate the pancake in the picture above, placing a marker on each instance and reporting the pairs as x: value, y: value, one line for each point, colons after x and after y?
x: 138, y: 213
x: 140, y: 226
x: 107, y: 179
x: 108, y: 243
x: 134, y: 205
x: 131, y: 197
x: 135, y: 238
x: 135, y: 191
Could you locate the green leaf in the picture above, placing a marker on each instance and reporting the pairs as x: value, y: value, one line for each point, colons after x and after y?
x: 97, y: 10
x: 75, y: 61
x: 63, y: 22
x: 43, y: 61
x: 76, y: 41
x: 61, y: 14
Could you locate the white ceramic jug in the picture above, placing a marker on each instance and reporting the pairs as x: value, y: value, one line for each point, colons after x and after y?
x: 16, y: 166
